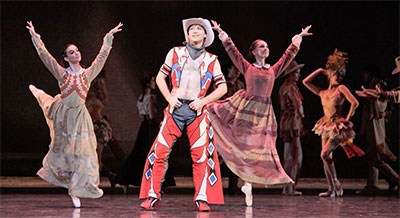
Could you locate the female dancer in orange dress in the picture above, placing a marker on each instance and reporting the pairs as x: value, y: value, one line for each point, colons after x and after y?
x: 334, y: 128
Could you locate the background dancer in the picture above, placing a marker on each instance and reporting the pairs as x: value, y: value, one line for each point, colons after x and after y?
x: 335, y: 130
x: 72, y: 161
x: 379, y: 93
x: 291, y: 126
x: 96, y: 101
x: 131, y: 172
x: 245, y: 124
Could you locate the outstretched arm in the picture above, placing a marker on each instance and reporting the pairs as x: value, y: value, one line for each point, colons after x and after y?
x: 101, y: 58
x: 378, y: 93
x: 236, y: 57
x: 290, y: 52
x: 47, y: 59
x: 308, y: 81
x: 350, y: 97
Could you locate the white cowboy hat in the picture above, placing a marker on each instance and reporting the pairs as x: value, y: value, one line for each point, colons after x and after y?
x: 202, y: 22
x: 397, y: 69
x: 292, y: 67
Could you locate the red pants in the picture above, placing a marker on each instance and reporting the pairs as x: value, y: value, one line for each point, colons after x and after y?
x: 206, y: 172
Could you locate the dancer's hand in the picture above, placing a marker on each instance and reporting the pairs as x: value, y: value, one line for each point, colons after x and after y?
x: 116, y: 29
x: 216, y: 26
x: 174, y: 102
x: 197, y: 104
x: 372, y: 93
x: 221, y: 34
x: 296, y: 40
x: 304, y: 32
x: 31, y: 28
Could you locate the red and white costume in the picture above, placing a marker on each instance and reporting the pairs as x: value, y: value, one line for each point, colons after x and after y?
x: 206, y: 171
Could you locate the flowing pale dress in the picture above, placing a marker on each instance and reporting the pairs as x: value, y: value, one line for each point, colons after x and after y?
x: 245, y: 125
x: 72, y: 161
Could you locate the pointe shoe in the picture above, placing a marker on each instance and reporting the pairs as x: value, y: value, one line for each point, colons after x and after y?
x: 202, y: 206
x: 249, y: 197
x: 329, y: 193
x: 76, y: 202
x: 338, y: 189
x: 34, y: 90
x: 150, y: 203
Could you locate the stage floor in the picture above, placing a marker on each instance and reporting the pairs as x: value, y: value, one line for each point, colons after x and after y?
x: 33, y: 197
x: 181, y: 205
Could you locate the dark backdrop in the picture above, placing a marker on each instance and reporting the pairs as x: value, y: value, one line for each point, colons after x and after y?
x: 369, y: 31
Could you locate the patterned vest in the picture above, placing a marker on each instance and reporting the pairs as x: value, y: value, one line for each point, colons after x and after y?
x: 74, y: 82
x: 206, y: 69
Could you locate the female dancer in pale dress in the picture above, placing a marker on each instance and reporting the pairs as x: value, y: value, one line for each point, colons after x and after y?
x: 244, y: 125
x: 72, y: 161
x: 335, y: 129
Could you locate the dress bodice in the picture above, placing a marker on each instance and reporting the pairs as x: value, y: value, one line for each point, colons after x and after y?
x: 332, y: 102
x: 74, y: 88
x: 259, y: 81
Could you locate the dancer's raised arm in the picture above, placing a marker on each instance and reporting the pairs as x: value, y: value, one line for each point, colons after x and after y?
x: 308, y: 81
x: 290, y: 52
x: 101, y: 58
x: 236, y: 57
x: 47, y: 59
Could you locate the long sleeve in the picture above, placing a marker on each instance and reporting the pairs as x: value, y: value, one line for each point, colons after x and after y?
x: 237, y: 58
x: 47, y: 59
x: 100, y: 59
x: 285, y: 60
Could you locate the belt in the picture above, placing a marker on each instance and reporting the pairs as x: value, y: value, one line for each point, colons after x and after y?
x: 185, y: 101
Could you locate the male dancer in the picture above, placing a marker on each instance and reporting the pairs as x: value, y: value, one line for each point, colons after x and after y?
x: 191, y: 70
x: 291, y: 127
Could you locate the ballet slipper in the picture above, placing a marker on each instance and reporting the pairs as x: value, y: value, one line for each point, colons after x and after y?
x: 76, y: 202
x: 246, y: 189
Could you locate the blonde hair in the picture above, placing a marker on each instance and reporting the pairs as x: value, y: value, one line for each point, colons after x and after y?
x: 337, y: 63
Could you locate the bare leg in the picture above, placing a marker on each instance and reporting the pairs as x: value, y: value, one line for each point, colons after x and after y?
x: 328, y: 146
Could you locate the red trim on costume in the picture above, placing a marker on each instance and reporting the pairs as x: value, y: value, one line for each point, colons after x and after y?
x: 82, y: 91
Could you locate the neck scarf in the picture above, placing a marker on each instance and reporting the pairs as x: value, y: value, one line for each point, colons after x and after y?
x: 194, y: 52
